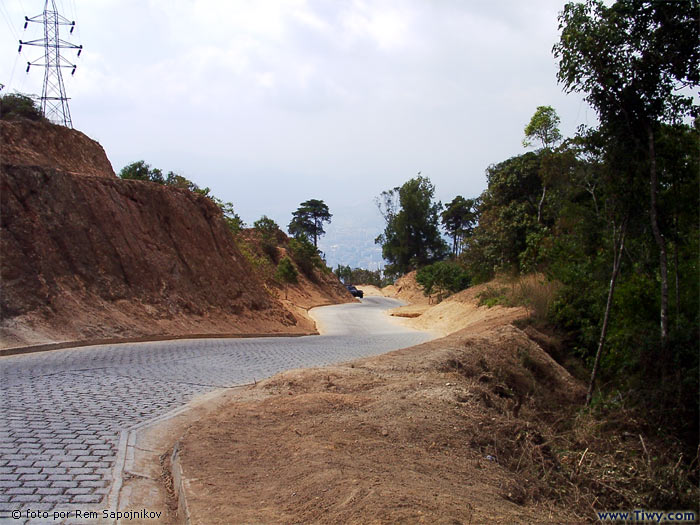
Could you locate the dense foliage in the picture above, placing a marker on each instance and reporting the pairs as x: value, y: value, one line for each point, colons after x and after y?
x: 442, y: 278
x: 16, y: 105
x: 610, y: 214
x: 361, y: 276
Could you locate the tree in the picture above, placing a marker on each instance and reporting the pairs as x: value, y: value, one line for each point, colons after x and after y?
x: 543, y: 126
x: 269, y: 231
x: 411, y: 238
x: 344, y: 273
x: 232, y: 219
x: 308, y: 220
x: 286, y: 273
x: 459, y: 218
x: 140, y: 170
x: 632, y: 60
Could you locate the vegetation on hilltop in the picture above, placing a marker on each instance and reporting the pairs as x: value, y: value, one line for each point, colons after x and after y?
x: 17, y: 105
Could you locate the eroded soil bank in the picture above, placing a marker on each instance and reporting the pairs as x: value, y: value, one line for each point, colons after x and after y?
x: 451, y: 431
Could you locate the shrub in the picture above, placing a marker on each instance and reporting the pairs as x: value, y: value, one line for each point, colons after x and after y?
x: 305, y: 255
x: 16, y: 105
x: 443, y: 278
x: 286, y: 272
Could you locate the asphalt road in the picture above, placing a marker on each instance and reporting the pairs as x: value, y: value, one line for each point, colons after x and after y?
x: 62, y: 412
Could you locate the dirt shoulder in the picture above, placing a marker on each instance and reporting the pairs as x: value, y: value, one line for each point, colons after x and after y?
x: 451, y: 431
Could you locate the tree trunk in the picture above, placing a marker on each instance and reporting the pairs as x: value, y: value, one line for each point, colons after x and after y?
x: 617, y: 257
x: 660, y: 241
x: 678, y: 289
x: 539, y: 207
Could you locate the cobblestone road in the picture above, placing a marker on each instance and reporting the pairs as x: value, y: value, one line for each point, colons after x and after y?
x: 62, y: 411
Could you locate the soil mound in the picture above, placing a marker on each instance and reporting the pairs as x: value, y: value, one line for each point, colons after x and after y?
x: 406, y: 289
x: 32, y: 143
x: 451, y: 431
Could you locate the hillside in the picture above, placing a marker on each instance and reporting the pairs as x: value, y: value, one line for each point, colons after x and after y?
x: 88, y: 256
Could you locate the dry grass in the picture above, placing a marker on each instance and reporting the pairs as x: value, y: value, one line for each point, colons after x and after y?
x: 533, y: 291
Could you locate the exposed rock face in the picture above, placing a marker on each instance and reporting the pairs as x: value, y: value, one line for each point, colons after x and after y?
x: 31, y: 143
x: 93, y: 257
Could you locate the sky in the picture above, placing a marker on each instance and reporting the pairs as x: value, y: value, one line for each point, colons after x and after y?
x: 270, y: 103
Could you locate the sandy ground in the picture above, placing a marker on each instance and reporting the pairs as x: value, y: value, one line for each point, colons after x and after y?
x: 444, y: 432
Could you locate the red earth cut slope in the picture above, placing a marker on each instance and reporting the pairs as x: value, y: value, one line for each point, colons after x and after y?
x: 97, y: 257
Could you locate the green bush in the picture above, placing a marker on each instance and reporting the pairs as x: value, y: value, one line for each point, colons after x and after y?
x: 305, y: 255
x: 269, y: 235
x: 286, y: 272
x: 443, y: 278
x: 16, y: 105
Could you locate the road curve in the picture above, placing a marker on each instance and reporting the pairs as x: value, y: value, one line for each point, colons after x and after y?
x: 62, y: 412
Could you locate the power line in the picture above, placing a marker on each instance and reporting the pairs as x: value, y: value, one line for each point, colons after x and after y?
x: 8, y: 20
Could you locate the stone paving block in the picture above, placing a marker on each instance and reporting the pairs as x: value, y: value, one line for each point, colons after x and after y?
x: 45, y: 464
x: 74, y: 491
x: 33, y: 477
x: 25, y: 463
x: 63, y: 484
x: 50, y: 491
x: 53, y: 498
x: 82, y: 470
x: 72, y: 464
x: 60, y: 477
x: 87, y: 477
x: 86, y: 498
x: 19, y: 490
x: 92, y: 484
x: 63, y: 457
x: 28, y: 470
x: 24, y: 498
x: 97, y: 464
x: 14, y: 457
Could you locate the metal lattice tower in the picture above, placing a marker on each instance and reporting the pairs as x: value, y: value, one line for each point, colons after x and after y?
x: 54, y: 102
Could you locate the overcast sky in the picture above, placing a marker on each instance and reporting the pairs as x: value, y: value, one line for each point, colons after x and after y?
x: 270, y: 103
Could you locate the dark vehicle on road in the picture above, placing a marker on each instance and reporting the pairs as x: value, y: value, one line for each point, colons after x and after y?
x: 354, y: 291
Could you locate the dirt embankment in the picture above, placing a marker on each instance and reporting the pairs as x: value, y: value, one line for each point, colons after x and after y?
x: 452, y: 431
x: 96, y: 257
x: 29, y: 143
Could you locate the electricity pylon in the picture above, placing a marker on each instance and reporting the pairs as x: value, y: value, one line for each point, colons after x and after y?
x: 54, y: 102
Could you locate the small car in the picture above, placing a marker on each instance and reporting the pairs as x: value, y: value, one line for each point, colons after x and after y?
x: 354, y: 291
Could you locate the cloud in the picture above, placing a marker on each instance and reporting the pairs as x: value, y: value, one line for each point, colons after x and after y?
x: 273, y: 102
